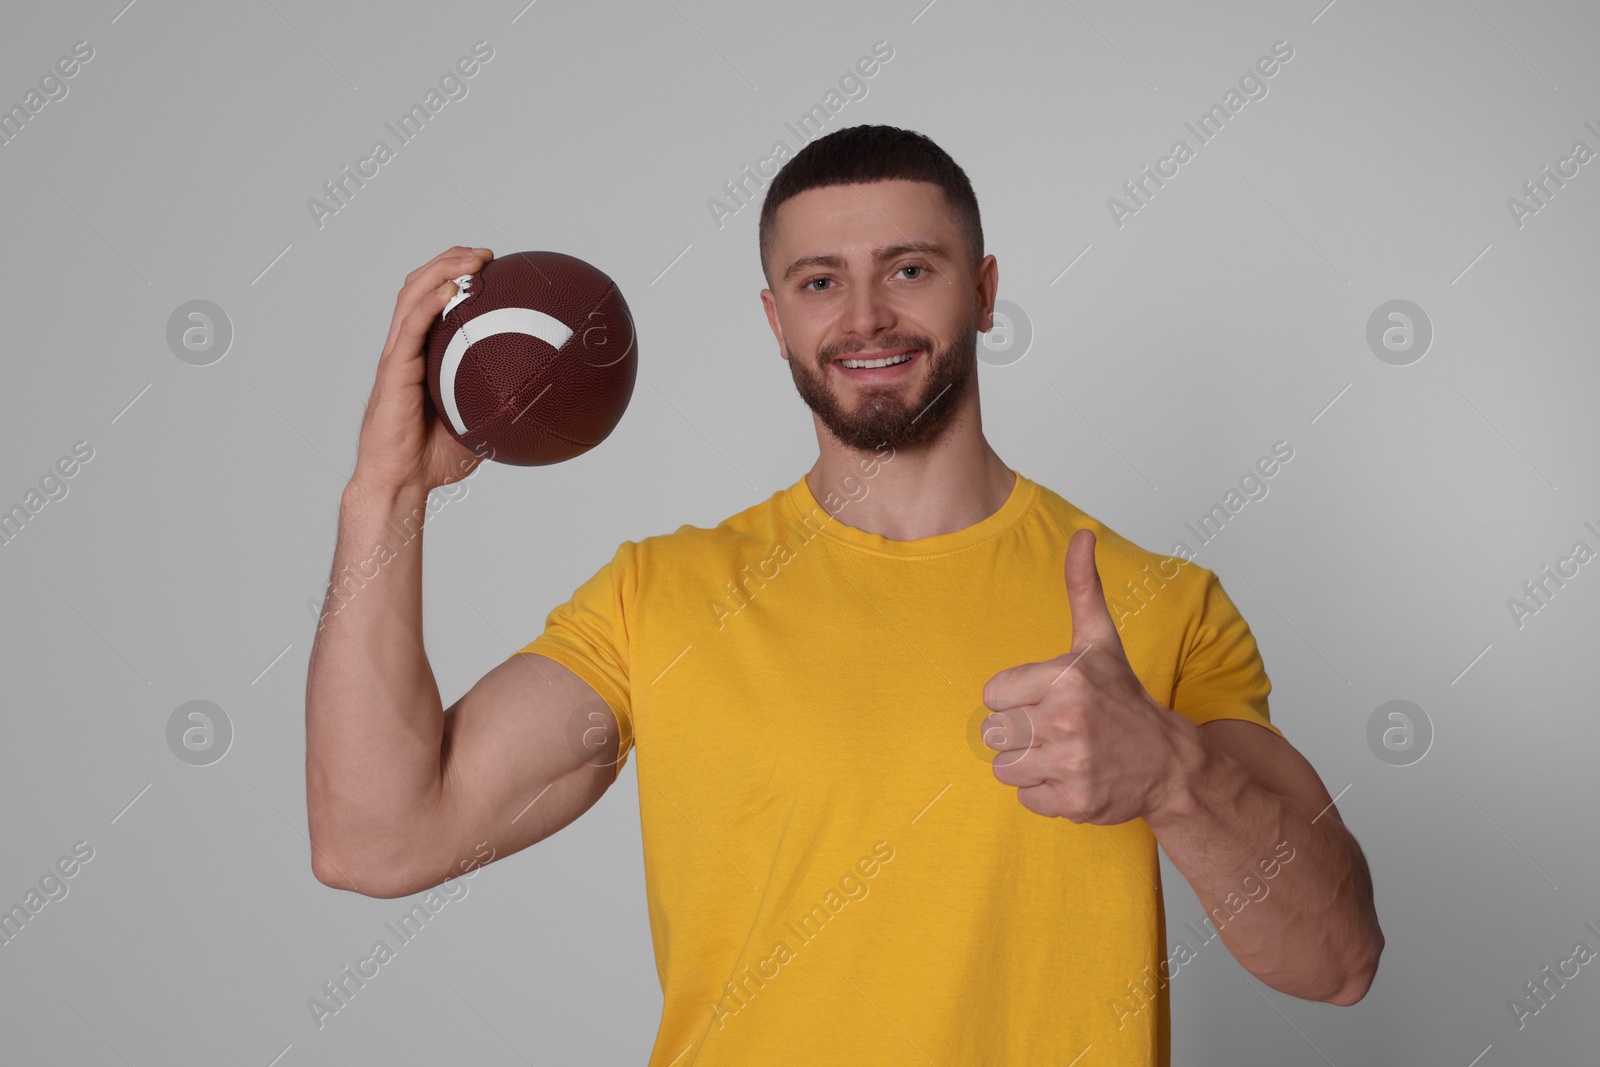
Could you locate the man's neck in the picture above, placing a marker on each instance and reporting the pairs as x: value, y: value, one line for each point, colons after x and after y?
x: 908, y: 493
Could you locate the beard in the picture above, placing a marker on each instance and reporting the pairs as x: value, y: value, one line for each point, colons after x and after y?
x: 891, y: 414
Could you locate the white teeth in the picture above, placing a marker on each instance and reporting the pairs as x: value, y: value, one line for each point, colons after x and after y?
x: 857, y: 364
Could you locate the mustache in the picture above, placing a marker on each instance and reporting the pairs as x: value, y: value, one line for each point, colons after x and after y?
x: 845, y: 348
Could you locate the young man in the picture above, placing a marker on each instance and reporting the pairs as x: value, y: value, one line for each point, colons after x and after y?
x: 902, y: 771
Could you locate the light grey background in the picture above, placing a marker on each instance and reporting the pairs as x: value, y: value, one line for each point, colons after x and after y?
x: 1229, y: 313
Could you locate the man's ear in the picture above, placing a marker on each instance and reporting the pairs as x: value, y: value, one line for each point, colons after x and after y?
x: 988, y: 277
x: 769, y: 304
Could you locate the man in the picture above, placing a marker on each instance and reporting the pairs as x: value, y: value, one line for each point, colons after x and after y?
x: 901, y: 773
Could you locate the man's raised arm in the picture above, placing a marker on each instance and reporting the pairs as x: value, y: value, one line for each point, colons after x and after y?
x: 400, y: 793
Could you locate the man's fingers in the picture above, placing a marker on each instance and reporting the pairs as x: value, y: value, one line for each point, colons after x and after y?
x: 1008, y: 731
x: 1091, y: 618
x: 457, y: 252
x: 411, y: 331
x: 421, y: 283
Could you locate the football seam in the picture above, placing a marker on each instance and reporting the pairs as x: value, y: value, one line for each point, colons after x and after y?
x: 500, y: 414
x: 550, y: 372
x: 541, y: 427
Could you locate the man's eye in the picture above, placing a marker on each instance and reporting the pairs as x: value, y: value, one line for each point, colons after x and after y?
x: 910, y: 266
x: 814, y: 281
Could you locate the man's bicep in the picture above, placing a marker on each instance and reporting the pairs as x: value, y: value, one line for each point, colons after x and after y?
x: 527, y: 750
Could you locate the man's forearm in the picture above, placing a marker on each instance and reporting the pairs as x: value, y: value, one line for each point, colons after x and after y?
x: 374, y: 719
x: 1307, y: 928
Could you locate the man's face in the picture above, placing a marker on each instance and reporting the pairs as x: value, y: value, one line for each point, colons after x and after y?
x: 875, y: 271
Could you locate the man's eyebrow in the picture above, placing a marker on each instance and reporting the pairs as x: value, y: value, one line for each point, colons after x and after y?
x: 928, y: 248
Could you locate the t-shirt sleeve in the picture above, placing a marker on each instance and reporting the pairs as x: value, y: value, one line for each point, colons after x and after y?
x: 1221, y: 675
x: 588, y: 635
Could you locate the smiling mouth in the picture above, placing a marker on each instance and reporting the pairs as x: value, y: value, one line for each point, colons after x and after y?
x: 877, y: 363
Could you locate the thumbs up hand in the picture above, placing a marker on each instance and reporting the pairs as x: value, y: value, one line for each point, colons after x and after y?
x: 1078, y: 735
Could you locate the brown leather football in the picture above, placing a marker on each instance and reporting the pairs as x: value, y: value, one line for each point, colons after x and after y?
x: 534, y: 360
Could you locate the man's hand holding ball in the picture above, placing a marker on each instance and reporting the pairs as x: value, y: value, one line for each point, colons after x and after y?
x: 1078, y: 735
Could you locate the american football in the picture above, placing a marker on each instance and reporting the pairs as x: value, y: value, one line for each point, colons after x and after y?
x: 533, y: 361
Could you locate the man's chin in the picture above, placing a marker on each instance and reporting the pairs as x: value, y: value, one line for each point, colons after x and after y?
x: 883, y: 415
x: 901, y: 429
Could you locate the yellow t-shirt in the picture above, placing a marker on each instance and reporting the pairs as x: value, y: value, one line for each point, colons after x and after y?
x: 833, y: 873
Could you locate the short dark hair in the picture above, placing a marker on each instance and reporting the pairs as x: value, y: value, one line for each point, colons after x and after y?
x: 872, y: 154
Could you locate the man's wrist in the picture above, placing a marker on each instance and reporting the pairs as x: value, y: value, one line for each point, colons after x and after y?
x: 379, y: 496
x: 1190, y: 766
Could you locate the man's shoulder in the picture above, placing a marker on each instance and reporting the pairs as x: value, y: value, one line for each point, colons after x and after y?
x: 755, y: 526
x: 1064, y: 518
x: 1130, y: 573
